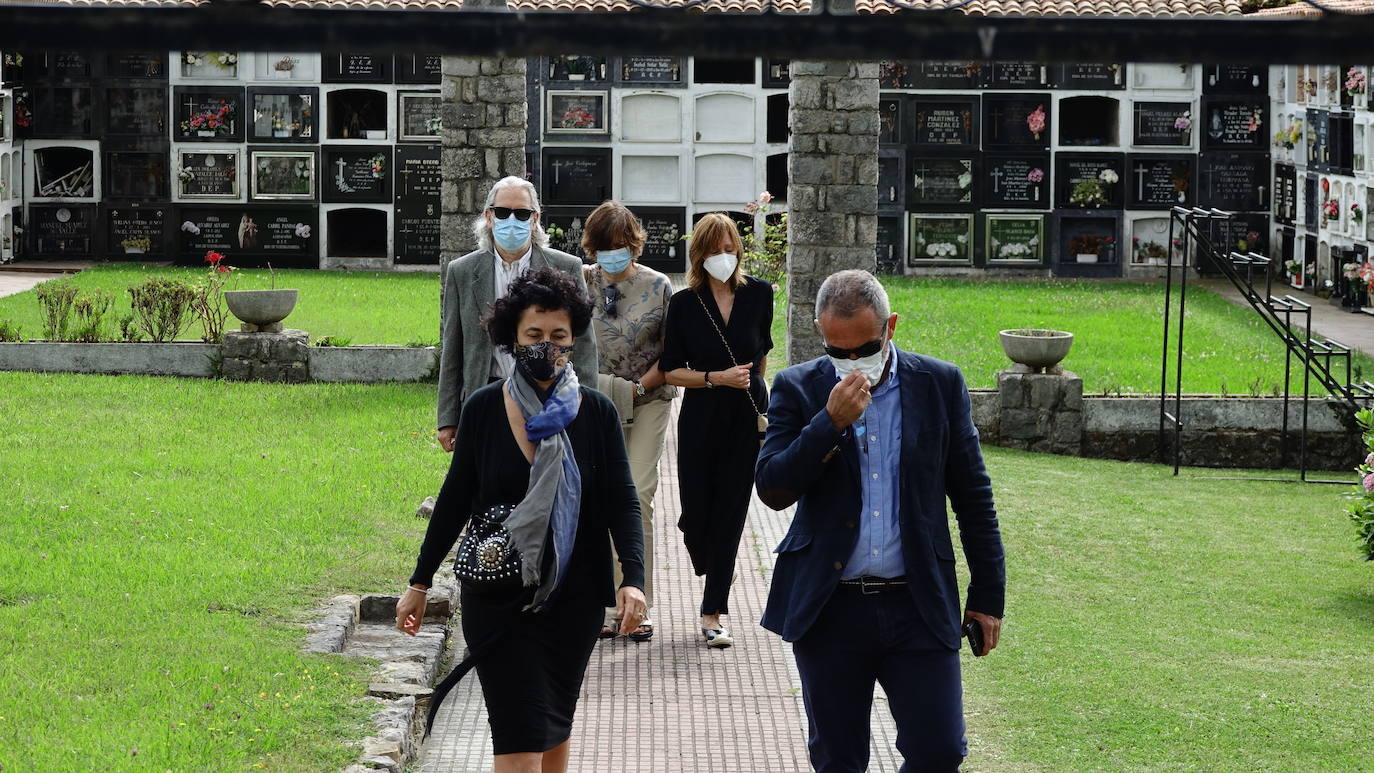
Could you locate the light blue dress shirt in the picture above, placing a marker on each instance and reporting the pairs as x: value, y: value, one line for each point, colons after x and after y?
x: 878, y: 438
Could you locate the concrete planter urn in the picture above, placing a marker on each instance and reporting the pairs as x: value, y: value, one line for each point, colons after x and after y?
x: 261, y: 311
x: 1037, y: 351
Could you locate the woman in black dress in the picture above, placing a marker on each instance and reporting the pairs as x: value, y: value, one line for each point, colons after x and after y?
x: 716, y: 345
x: 544, y: 456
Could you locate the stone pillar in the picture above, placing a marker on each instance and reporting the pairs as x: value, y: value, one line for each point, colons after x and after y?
x: 283, y: 356
x: 1041, y: 412
x: 484, y: 140
x: 832, y: 186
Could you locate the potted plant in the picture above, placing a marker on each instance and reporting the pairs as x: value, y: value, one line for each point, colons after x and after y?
x: 1087, y: 248
x: 137, y: 245
x: 283, y: 67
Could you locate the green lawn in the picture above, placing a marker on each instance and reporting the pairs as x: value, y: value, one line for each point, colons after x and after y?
x: 369, y: 307
x: 159, y: 538
x: 1117, y: 325
x: 1159, y: 623
x: 162, y: 537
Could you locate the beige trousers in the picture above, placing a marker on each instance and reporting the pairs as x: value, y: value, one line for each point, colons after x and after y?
x: 644, y: 446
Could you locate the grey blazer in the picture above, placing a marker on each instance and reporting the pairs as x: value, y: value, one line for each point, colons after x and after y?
x: 465, y: 350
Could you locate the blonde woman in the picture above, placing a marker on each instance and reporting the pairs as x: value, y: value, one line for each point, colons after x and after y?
x: 716, y: 346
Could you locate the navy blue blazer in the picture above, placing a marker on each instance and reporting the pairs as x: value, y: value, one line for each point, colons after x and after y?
x: 804, y: 460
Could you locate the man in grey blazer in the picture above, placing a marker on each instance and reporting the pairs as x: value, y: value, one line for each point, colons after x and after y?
x: 510, y: 242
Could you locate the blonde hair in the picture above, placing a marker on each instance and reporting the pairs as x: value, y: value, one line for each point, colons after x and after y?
x: 709, y: 232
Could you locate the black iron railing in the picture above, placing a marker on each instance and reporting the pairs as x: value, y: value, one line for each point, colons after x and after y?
x: 1326, y: 361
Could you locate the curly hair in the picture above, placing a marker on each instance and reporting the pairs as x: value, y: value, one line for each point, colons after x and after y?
x: 547, y: 288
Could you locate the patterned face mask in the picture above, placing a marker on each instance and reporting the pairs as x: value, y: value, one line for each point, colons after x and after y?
x: 542, y: 361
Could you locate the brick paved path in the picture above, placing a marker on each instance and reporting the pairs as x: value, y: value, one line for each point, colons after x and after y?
x: 670, y: 705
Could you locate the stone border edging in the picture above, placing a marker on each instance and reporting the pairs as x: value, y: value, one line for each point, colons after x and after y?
x: 193, y: 359
x: 363, y: 626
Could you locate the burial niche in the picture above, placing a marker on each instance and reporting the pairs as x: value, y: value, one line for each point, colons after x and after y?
x: 64, y: 172
x: 1088, y: 121
x: 357, y: 233
x: 775, y: 176
x: 777, y: 118
x: 723, y: 70
x: 357, y: 114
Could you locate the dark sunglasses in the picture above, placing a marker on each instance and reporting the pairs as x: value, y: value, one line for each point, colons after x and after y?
x: 867, y: 350
x: 610, y: 295
x: 502, y: 213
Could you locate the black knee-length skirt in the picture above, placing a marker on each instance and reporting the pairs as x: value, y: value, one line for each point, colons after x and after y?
x: 532, y: 676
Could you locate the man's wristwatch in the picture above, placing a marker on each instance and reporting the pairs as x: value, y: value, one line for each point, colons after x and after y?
x: 706, y: 376
x: 639, y: 389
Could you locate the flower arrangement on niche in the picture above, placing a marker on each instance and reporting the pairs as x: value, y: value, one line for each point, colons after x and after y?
x: 1148, y: 251
x: 1090, y: 244
x: 219, y: 120
x: 1356, y: 214
x: 285, y: 64
x: 1036, y: 121
x: 578, y: 118
x: 1092, y: 192
x: 892, y: 74
x: 1184, y: 122
x: 1251, y: 240
x: 379, y: 166
x: 218, y: 58
x: 1360, y: 508
x: 14, y: 60
x: 1355, y: 81
x: 1035, y: 175
x: 1331, y: 210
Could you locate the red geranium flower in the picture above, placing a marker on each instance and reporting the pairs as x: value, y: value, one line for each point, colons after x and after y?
x: 213, y: 258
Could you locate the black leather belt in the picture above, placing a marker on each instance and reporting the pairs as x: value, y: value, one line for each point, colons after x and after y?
x: 873, y: 585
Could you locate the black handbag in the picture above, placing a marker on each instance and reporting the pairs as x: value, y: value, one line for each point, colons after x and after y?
x: 487, y: 559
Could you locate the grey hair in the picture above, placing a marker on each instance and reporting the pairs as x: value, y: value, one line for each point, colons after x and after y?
x: 844, y: 293
x: 482, y: 229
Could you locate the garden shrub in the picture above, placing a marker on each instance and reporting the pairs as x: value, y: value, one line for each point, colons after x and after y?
x: 56, y: 296
x: 90, y: 310
x: 1361, y: 505
x: 9, y: 332
x: 162, y: 307
x: 128, y: 331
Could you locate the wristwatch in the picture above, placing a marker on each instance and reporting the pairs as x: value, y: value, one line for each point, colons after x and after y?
x: 706, y: 377
x: 639, y: 389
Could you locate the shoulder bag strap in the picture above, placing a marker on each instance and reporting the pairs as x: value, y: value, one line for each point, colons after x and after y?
x: 728, y: 350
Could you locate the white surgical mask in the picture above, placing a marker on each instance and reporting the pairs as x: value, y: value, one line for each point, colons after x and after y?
x: 871, y: 366
x: 721, y: 266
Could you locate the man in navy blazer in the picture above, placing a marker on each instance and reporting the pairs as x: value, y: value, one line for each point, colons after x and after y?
x: 868, y: 442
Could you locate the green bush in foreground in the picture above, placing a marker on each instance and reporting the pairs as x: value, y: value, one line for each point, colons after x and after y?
x: 1361, y: 505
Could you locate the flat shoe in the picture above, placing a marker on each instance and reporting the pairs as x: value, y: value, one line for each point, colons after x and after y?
x: 717, y: 637
x: 608, y: 630
x: 644, y: 632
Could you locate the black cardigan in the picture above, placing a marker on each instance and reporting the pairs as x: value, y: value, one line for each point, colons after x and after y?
x: 488, y: 468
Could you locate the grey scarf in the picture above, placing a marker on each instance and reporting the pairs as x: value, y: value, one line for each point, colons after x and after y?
x: 554, y: 496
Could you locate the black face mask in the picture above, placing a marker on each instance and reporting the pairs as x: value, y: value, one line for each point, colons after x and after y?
x: 542, y: 361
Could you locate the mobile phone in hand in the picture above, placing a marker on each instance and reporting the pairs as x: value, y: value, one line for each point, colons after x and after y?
x: 974, y: 631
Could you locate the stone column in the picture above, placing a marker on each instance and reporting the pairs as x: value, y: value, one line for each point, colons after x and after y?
x: 484, y: 140
x: 1041, y: 412
x: 832, y: 186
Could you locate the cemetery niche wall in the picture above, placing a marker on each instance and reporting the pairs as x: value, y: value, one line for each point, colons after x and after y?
x: 997, y: 166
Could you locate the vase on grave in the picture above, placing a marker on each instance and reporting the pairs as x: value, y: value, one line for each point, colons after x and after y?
x: 261, y: 310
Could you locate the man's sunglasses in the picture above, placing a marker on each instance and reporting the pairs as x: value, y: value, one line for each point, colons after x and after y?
x: 867, y: 350
x: 502, y: 213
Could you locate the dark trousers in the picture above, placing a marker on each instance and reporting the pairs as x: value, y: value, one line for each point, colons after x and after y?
x: 862, y: 639
x: 716, y: 452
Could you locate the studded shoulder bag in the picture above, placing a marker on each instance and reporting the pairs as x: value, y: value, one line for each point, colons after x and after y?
x: 487, y: 559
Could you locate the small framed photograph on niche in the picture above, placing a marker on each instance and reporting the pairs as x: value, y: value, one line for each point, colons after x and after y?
x: 283, y: 114
x: 283, y: 175
x: 576, y: 112
x: 421, y: 116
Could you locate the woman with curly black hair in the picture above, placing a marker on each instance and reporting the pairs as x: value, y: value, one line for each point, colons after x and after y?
x: 539, y: 477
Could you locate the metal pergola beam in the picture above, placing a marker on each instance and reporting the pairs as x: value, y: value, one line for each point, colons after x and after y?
x: 905, y: 35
